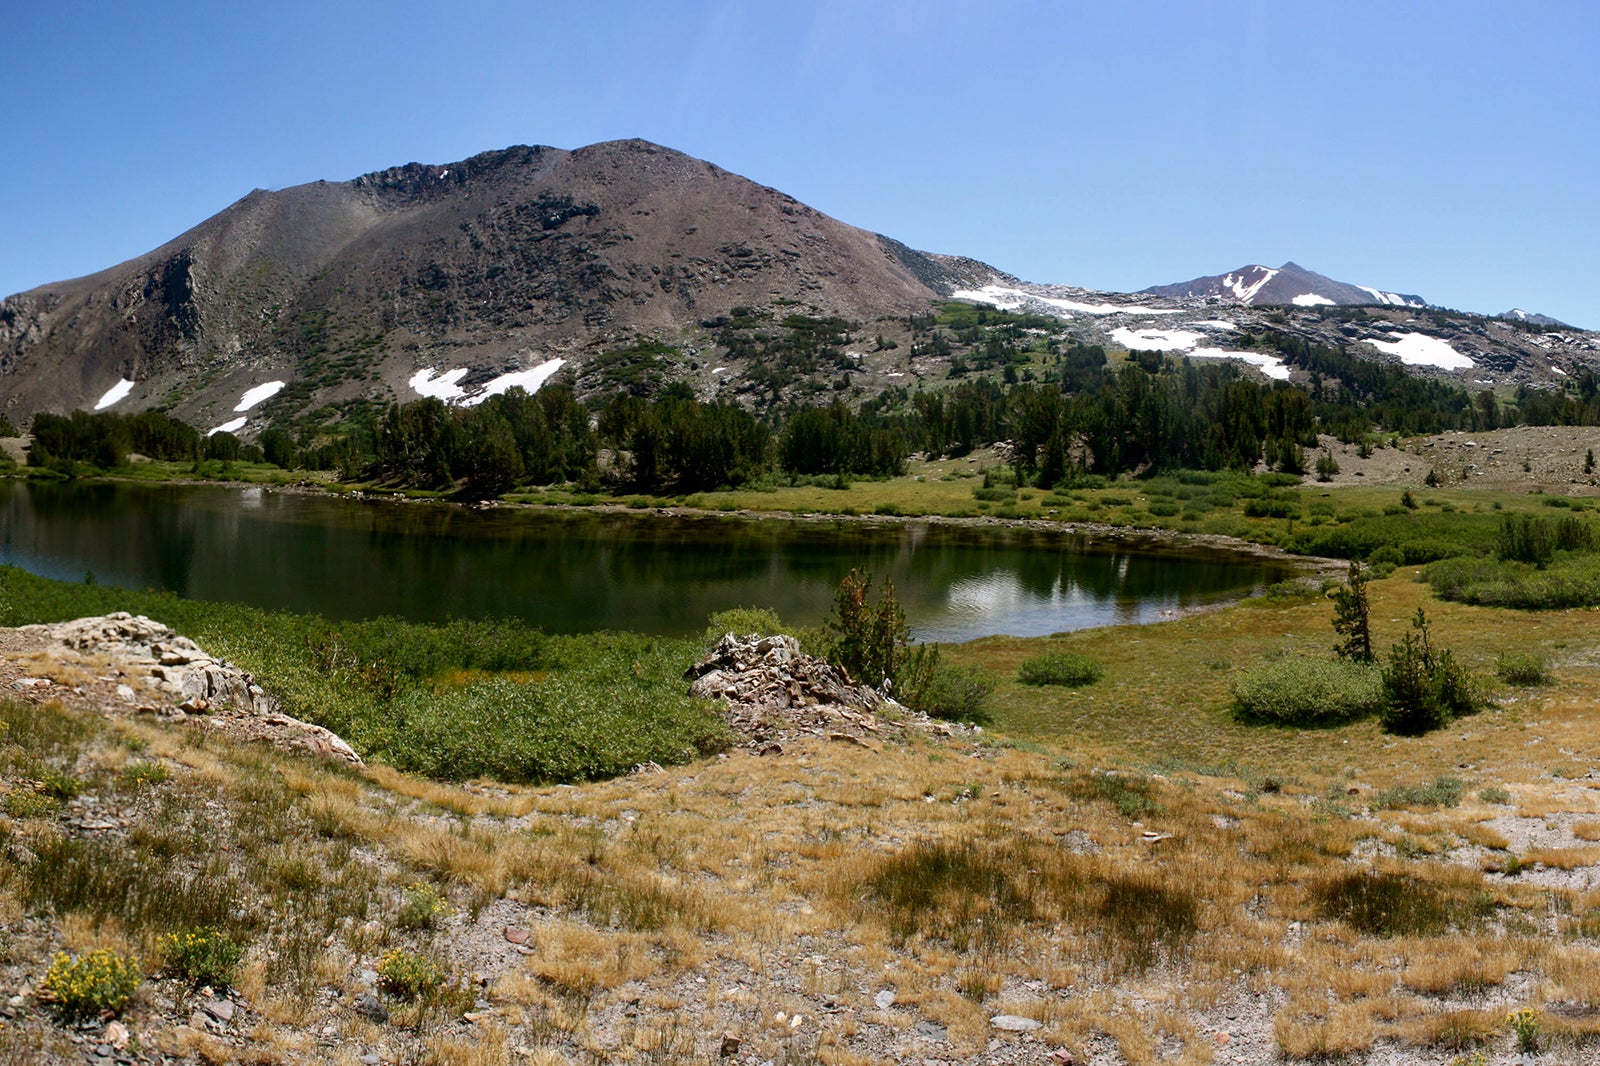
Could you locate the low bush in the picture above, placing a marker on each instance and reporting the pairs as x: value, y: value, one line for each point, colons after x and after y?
x: 1570, y: 579
x: 202, y: 956
x: 1444, y: 791
x: 408, y: 976
x: 87, y: 985
x: 617, y: 700
x: 955, y: 692
x: 1059, y: 668
x: 423, y: 907
x: 1308, y: 692
x: 1522, y: 669
x: 743, y: 621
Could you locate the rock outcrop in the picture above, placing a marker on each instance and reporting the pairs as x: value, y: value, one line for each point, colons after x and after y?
x: 147, y: 668
x: 772, y: 692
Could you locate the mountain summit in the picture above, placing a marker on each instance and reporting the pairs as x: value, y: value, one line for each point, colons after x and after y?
x: 1291, y: 283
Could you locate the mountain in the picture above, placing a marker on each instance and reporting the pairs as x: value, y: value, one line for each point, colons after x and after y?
x: 443, y: 278
x: 1258, y: 286
x: 1517, y: 314
x: 629, y: 266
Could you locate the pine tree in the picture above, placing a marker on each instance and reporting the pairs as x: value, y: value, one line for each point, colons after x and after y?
x: 1351, y: 615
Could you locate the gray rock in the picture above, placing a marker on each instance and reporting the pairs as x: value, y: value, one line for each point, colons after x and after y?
x: 370, y: 1006
x: 220, y: 1009
x: 1012, y: 1023
x: 884, y: 999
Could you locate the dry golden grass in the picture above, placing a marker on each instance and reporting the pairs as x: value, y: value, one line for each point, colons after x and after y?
x: 1561, y: 858
x: 773, y: 877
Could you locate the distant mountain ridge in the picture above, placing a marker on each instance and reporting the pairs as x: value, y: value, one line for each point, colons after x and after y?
x: 1257, y: 286
x: 629, y: 266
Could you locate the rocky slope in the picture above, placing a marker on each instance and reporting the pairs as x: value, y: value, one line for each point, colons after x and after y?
x: 497, y: 264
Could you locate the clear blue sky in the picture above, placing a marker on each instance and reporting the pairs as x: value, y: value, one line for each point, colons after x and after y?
x: 1450, y: 148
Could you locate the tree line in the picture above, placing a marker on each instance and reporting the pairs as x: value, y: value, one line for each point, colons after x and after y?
x: 1149, y: 414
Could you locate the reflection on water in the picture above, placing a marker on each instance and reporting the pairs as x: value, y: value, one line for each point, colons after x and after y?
x: 586, y: 571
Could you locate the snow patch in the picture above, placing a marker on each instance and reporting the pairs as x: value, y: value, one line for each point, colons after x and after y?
x: 256, y: 395
x: 444, y: 387
x: 1558, y: 370
x: 1008, y: 299
x: 528, y: 380
x: 231, y: 426
x: 1419, y: 349
x: 718, y: 369
x: 1216, y: 323
x: 1155, y: 340
x: 1389, y: 299
x: 1269, y: 365
x: 1311, y: 299
x: 116, y: 392
x: 1245, y: 291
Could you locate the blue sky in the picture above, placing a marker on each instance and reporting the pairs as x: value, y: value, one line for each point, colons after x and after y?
x: 1450, y: 149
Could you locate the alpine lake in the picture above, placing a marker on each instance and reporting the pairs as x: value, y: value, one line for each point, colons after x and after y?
x: 582, y: 570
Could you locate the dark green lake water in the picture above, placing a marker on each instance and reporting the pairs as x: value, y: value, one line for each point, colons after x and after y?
x: 587, y: 571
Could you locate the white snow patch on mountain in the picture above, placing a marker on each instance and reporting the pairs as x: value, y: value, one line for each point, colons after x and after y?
x: 1008, y: 299
x: 1419, y: 349
x: 1215, y: 323
x: 1390, y: 299
x: 113, y: 394
x: 1269, y: 365
x: 1311, y: 299
x: 1558, y: 370
x: 1245, y: 291
x: 445, y: 387
x: 1155, y: 340
x: 527, y: 380
x: 256, y: 395
x: 231, y: 426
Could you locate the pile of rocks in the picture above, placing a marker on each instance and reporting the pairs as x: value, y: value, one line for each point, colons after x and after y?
x: 143, y: 666
x: 773, y: 693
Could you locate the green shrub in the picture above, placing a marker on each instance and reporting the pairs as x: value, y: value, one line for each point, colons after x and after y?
x: 1445, y: 791
x: 617, y: 702
x: 26, y: 803
x: 954, y: 692
x: 1059, y: 668
x: 202, y: 956
x: 408, y: 976
x: 91, y: 984
x: 1522, y: 669
x: 1308, y: 692
x: 1272, y: 508
x: 1288, y: 593
x: 58, y: 784
x: 144, y: 772
x: 743, y: 621
x: 1424, y: 689
x: 423, y: 907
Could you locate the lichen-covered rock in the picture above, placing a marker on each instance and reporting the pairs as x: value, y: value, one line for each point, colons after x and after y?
x: 773, y: 692
x: 158, y: 671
